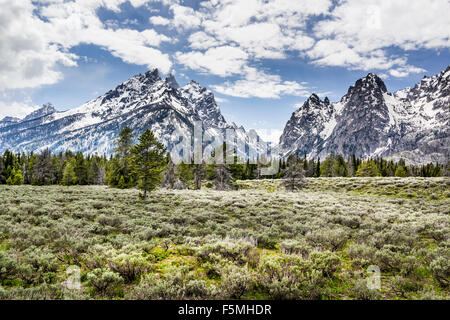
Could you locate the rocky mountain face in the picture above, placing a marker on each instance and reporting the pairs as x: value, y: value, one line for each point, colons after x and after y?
x: 7, y: 121
x: 144, y: 101
x: 371, y: 122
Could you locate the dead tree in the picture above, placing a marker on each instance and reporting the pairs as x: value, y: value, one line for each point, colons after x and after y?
x: 223, y: 178
x: 169, y: 179
x: 199, y: 175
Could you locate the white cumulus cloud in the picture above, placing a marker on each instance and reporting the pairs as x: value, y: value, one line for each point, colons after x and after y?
x: 259, y: 84
x: 33, y: 47
x: 221, y: 61
x: 15, y: 109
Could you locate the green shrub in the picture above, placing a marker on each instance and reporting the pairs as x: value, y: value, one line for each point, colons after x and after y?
x: 129, y: 266
x: 104, y: 281
x: 111, y: 221
x: 440, y: 269
x: 362, y: 292
x: 236, y: 282
x: 174, y: 285
x: 237, y: 251
x: 327, y: 262
x: 290, y: 277
x: 404, y: 286
x: 155, y: 287
x: 329, y: 239
x: 388, y: 260
x: 301, y: 248
x: 8, y: 265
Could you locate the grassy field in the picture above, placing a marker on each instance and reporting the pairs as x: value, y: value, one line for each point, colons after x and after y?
x: 256, y: 243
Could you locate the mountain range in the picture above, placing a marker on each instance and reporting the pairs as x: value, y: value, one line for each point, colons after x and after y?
x: 143, y: 101
x: 368, y: 121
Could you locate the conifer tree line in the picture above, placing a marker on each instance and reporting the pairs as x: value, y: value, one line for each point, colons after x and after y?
x: 146, y: 164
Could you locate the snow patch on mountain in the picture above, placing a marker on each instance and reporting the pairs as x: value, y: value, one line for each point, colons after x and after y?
x: 371, y: 122
x: 143, y: 101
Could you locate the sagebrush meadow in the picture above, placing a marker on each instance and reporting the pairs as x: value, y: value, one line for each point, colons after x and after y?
x: 256, y: 243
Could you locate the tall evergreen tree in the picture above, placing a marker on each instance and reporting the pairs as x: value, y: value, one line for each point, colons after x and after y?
x: 340, y: 167
x: 81, y: 169
x: 317, y: 173
x: 184, y: 172
x: 401, y: 172
x: 2, y: 169
x: 328, y: 167
x: 311, y: 169
x: 69, y: 176
x: 120, y: 164
x: 367, y: 169
x: 18, y: 178
x: 237, y: 169
x: 148, y: 161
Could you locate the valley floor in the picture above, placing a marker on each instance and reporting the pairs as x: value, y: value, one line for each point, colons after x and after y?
x: 256, y: 243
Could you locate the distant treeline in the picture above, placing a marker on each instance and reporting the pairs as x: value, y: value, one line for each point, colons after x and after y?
x: 69, y: 168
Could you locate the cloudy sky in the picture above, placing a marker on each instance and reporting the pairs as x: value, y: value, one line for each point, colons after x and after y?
x: 261, y: 58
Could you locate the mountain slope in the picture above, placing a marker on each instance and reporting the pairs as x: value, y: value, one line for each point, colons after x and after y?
x: 369, y: 121
x: 144, y: 101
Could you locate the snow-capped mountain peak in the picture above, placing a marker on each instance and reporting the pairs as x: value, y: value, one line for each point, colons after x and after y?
x: 172, y: 82
x: 369, y: 121
x: 141, y: 102
x: 46, y: 109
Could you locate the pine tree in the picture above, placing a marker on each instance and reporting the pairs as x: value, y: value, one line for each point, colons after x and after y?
x: 121, y: 184
x: 58, y: 165
x: 340, y: 167
x: 81, y: 169
x: 119, y: 165
x: 2, y: 169
x: 69, y: 175
x: 18, y: 178
x: 148, y: 161
x: 8, y: 162
x: 294, y: 174
x: 317, y: 173
x: 367, y: 169
x: 328, y: 167
x: 237, y: 169
x: 250, y: 169
x: 401, y: 172
x: 185, y: 173
x: 353, y: 165
x: 123, y: 149
x: 29, y: 176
